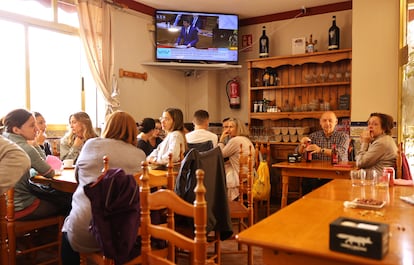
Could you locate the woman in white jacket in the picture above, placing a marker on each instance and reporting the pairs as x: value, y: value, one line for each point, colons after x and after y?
x: 172, y: 122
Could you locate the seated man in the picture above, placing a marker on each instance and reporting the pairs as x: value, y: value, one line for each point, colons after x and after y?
x: 321, y: 146
x: 201, y: 134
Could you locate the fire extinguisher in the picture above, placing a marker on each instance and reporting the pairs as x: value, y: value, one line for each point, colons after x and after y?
x: 233, y: 93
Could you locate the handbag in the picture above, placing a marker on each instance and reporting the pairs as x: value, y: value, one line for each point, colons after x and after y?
x: 261, y: 183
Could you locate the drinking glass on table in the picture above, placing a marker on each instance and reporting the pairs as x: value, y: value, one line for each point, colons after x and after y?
x: 357, y: 177
x: 383, y: 179
x: 371, y: 177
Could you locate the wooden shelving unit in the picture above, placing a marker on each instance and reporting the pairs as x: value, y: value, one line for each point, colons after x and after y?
x: 322, y: 77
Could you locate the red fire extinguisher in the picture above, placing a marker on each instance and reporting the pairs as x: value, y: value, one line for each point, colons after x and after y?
x: 233, y: 93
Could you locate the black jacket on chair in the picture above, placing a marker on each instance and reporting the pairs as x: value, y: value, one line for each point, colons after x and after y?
x: 218, y: 215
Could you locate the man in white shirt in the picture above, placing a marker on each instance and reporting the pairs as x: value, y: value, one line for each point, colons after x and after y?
x: 201, y: 133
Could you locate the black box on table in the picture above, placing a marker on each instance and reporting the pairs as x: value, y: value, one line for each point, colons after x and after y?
x: 294, y: 158
x: 359, y: 237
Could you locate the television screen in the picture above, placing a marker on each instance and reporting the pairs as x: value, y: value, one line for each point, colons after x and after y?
x: 183, y: 36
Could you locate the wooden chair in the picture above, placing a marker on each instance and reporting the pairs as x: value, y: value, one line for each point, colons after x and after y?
x: 168, y: 199
x: 12, y: 229
x: 219, y: 225
x: 4, y: 249
x: 241, y: 210
x: 201, y: 147
x: 155, y: 182
x: 402, y: 168
x: 264, y: 150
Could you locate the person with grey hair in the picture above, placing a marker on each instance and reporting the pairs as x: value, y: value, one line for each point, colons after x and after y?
x: 320, y: 146
x: 239, y: 134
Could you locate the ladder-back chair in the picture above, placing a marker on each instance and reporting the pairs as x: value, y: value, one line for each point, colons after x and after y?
x: 241, y: 210
x: 155, y: 181
x: 11, y: 230
x: 165, y: 198
x: 262, y: 149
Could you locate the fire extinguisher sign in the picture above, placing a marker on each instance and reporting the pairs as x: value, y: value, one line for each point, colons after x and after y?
x: 247, y: 41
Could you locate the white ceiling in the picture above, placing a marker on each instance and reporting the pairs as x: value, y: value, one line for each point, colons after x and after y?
x: 243, y: 8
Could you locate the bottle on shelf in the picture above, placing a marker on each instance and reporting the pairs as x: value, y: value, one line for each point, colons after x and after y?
x: 266, y: 76
x: 264, y: 45
x: 334, y: 155
x: 333, y: 35
x: 310, y: 45
x: 308, y: 154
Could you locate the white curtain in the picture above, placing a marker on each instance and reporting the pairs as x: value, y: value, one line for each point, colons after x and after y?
x: 95, y: 30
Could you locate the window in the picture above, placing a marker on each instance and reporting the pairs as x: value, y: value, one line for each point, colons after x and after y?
x: 43, y: 66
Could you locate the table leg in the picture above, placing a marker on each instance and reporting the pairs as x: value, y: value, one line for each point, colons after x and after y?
x: 285, y: 189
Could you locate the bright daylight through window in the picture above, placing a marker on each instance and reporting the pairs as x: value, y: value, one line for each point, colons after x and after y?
x: 42, y: 61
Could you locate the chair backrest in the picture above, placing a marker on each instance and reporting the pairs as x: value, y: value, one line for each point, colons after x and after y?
x: 11, y: 228
x: 246, y: 179
x: 165, y: 198
x: 262, y: 149
x: 402, y: 167
x: 212, y: 163
x: 115, y: 193
x: 3, y: 231
x: 201, y: 147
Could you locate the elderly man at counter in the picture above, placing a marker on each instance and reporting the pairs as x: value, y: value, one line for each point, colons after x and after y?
x: 320, y: 144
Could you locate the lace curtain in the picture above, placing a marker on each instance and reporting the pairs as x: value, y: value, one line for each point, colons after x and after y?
x: 95, y: 30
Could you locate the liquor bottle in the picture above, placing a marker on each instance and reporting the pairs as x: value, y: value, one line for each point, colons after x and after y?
x: 333, y: 35
x: 264, y: 45
x: 310, y: 45
x: 334, y: 155
x: 308, y: 154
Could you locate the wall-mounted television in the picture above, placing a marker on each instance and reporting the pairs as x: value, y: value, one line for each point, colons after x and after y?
x: 183, y: 36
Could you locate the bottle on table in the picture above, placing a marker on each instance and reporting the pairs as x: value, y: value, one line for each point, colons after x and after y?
x: 333, y: 35
x: 334, y: 155
x: 264, y: 44
x: 308, y: 154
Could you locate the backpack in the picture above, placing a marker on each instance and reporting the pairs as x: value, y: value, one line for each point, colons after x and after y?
x: 261, y: 183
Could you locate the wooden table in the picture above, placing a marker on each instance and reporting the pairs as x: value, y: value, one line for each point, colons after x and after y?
x: 299, y: 233
x: 67, y: 181
x: 314, y: 169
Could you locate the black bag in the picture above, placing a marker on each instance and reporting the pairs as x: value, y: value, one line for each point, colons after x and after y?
x: 47, y: 193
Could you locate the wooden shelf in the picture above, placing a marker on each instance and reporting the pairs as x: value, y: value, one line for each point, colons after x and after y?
x: 300, y: 59
x: 193, y: 66
x: 301, y: 85
x: 295, y: 115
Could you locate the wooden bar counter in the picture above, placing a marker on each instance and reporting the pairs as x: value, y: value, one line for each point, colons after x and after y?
x: 299, y: 233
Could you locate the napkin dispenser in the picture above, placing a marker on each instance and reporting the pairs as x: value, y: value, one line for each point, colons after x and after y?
x: 359, y: 237
x: 294, y: 158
